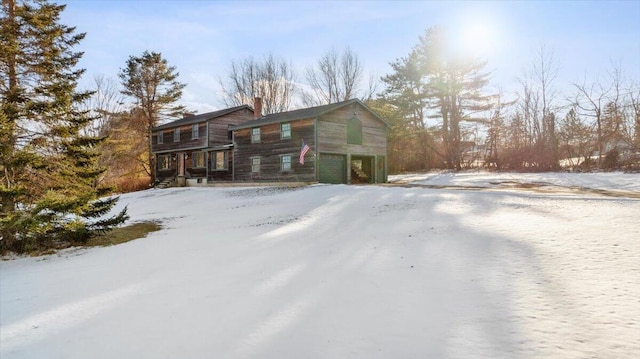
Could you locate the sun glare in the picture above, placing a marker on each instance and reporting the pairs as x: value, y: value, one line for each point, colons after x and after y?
x: 475, y: 37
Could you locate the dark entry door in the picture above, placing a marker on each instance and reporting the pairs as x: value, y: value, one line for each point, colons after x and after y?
x: 333, y: 168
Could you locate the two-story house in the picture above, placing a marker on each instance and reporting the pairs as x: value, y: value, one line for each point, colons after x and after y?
x: 347, y: 143
x: 197, y: 148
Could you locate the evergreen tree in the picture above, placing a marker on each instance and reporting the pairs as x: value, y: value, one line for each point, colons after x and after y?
x: 455, y: 82
x: 410, y: 96
x: 576, y: 139
x: 154, y: 86
x: 49, y: 170
x: 435, y: 82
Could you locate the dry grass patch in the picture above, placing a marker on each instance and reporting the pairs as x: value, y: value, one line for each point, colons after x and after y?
x: 124, y: 234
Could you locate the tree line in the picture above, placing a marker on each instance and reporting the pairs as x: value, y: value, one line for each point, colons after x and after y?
x: 438, y: 101
x: 443, y: 114
x: 62, y: 150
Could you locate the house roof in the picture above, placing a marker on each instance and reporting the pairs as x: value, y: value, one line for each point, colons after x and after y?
x: 303, y: 113
x: 201, y: 117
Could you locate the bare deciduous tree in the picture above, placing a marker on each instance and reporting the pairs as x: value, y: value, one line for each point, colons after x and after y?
x: 272, y: 79
x: 536, y: 109
x: 590, y: 101
x: 104, y: 103
x: 634, y: 109
x: 337, y: 77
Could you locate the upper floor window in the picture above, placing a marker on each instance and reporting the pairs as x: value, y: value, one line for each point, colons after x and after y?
x: 255, y: 164
x: 195, y: 131
x: 198, y: 159
x: 354, y: 131
x: 285, y: 163
x: 285, y: 130
x: 160, y: 136
x: 255, y: 135
x: 176, y: 135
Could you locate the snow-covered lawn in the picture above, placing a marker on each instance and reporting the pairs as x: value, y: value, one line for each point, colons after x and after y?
x: 615, y: 181
x: 334, y: 271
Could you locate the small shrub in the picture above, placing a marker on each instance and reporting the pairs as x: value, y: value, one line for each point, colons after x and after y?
x: 610, y: 161
x: 128, y: 184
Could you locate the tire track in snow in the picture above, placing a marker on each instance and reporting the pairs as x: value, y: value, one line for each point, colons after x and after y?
x: 270, y: 328
x: 279, y: 280
x: 335, y: 205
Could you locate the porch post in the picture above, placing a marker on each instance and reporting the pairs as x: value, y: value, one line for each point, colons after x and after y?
x: 348, y: 168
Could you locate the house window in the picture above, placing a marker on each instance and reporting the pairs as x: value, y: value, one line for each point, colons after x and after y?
x: 197, y: 159
x: 160, y: 136
x: 164, y: 162
x: 195, y: 131
x: 255, y: 135
x: 354, y: 131
x: 219, y: 161
x: 285, y: 131
x: 285, y: 163
x: 176, y: 135
x: 255, y: 164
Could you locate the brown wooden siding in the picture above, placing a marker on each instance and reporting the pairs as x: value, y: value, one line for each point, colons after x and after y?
x: 219, y: 127
x: 185, y: 139
x: 217, y: 135
x: 271, y: 148
x: 332, y: 132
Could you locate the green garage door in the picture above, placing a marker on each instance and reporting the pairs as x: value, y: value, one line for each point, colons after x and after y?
x: 333, y: 168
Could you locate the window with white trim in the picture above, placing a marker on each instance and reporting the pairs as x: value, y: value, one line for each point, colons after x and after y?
x: 197, y: 159
x: 285, y: 131
x: 255, y: 164
x: 176, y: 135
x: 255, y: 135
x: 195, y: 131
x: 285, y: 163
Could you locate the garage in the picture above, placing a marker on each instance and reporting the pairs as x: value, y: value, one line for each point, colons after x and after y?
x: 333, y: 168
x: 362, y: 169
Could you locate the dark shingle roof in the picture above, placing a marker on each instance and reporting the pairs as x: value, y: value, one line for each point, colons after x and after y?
x: 200, y: 118
x: 302, y: 114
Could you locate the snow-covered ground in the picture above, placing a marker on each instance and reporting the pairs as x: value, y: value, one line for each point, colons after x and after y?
x: 615, y: 181
x: 334, y: 271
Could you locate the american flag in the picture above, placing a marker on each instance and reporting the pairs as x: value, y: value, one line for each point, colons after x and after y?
x: 303, y: 151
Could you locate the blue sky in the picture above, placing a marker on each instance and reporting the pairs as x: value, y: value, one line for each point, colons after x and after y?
x: 201, y: 38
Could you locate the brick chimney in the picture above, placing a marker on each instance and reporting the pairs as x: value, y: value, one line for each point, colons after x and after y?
x: 187, y: 114
x: 257, y: 107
